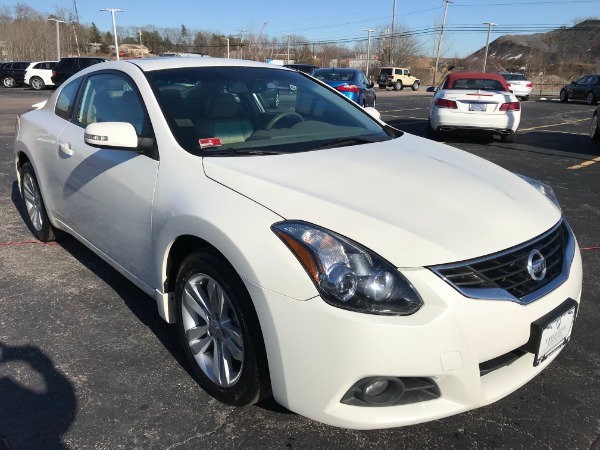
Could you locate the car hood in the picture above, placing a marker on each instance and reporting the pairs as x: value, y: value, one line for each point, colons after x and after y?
x: 413, y: 201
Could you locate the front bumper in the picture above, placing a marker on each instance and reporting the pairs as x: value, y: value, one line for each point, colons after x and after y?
x: 317, y: 352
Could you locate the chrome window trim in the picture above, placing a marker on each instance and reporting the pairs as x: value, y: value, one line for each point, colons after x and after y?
x: 499, y: 294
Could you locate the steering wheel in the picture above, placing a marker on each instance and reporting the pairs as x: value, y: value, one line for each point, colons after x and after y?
x: 280, y: 116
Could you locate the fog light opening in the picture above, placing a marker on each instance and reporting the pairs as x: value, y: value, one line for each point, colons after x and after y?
x: 382, y: 391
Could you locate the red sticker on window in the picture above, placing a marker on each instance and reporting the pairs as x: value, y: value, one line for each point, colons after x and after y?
x: 209, y: 142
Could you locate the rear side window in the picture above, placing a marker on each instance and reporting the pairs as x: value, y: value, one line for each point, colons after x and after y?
x: 66, y: 64
x: 66, y: 99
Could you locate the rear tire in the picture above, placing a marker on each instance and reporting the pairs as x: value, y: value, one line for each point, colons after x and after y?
x: 8, y: 82
x: 37, y: 83
x: 220, y: 331
x: 36, y: 216
x: 509, y: 138
x: 398, y: 86
x: 432, y: 134
x: 590, y: 98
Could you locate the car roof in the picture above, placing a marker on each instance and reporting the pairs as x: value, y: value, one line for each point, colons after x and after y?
x: 161, y: 63
x: 478, y: 75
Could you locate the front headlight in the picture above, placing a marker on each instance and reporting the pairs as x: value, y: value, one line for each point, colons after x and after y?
x: 348, y: 275
x: 542, y: 188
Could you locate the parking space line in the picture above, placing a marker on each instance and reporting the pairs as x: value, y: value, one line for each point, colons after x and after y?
x: 554, y: 125
x: 585, y: 164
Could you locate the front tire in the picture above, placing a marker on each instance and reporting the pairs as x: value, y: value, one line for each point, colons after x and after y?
x: 563, y: 96
x: 219, y: 330
x: 37, y: 217
x: 37, y: 83
x: 398, y: 86
x: 415, y: 86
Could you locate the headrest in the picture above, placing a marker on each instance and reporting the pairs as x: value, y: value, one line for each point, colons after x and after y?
x: 222, y: 106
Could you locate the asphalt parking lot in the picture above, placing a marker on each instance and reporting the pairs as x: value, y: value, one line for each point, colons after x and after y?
x: 86, y: 362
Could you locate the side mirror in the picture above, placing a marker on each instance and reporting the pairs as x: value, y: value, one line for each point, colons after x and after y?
x: 111, y: 134
x: 373, y: 112
x: 431, y: 89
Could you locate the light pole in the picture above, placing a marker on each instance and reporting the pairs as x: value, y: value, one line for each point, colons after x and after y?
x: 368, y: 48
x: 227, y: 40
x: 487, y: 44
x: 288, y: 49
x: 112, y: 12
x: 57, y: 37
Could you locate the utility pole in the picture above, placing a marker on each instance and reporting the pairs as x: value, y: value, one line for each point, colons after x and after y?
x: 369, y: 47
x: 112, y: 12
x: 57, y: 37
x: 141, y: 45
x: 242, y: 31
x: 288, y: 49
x: 437, y: 59
x: 392, y: 35
x: 487, y: 44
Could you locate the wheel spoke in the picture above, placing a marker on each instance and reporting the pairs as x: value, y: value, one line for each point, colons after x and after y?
x: 199, y: 347
x: 195, y: 301
x: 217, y: 300
x: 195, y: 333
x: 218, y: 365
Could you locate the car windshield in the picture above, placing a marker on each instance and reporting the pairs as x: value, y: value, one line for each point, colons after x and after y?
x: 240, y: 110
x: 476, y: 84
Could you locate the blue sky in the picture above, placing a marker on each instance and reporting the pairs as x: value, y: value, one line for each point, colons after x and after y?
x: 338, y: 21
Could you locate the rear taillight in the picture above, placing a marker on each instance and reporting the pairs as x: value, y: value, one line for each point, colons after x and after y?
x: 512, y: 106
x: 443, y: 103
x: 348, y: 88
x: 54, y: 73
x: 529, y: 85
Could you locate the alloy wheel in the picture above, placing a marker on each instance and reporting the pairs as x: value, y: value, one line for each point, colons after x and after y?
x: 212, y: 330
x: 33, y: 201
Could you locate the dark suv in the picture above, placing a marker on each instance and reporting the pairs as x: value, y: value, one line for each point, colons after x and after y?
x: 69, y: 66
x: 13, y: 73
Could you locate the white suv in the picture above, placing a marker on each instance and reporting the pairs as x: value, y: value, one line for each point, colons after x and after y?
x: 38, y: 74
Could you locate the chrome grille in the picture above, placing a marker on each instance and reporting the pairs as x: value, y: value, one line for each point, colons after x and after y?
x: 504, y: 275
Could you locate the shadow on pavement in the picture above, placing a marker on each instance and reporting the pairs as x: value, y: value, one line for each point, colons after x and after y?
x: 33, y: 415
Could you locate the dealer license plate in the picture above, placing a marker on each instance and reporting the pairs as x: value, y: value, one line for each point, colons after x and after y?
x: 555, y: 333
x: 477, y: 106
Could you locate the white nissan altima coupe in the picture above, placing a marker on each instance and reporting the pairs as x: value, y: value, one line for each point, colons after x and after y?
x: 366, y: 277
x: 474, y: 102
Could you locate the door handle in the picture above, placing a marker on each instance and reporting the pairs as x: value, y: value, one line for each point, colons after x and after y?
x: 66, y: 149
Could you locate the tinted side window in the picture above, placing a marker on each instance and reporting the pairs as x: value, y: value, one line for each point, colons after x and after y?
x: 67, y: 64
x: 66, y: 99
x: 110, y: 97
x: 38, y: 66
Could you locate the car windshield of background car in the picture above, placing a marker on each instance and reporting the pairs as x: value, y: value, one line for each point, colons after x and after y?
x: 223, y: 111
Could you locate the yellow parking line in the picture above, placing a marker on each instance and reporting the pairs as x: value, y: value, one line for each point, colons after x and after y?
x: 585, y: 164
x: 554, y: 125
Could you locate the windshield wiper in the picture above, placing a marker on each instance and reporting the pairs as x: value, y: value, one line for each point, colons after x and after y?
x: 242, y: 152
x: 343, y: 142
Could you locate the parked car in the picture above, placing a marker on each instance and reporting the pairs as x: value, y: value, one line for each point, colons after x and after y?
x: 352, y: 83
x: 397, y: 78
x: 306, y: 68
x: 586, y: 88
x: 594, y: 126
x: 39, y: 74
x: 12, y: 74
x: 474, y: 102
x: 367, y: 277
x: 67, y: 67
x: 519, y: 84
